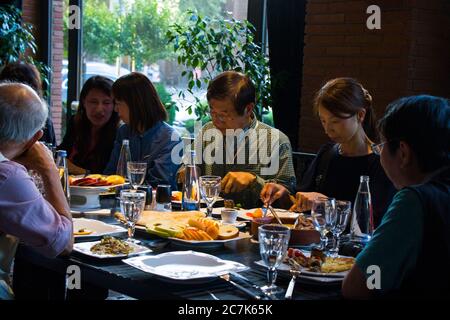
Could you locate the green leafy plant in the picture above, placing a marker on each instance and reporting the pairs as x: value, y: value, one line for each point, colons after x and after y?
x: 166, y: 99
x: 16, y: 38
x: 214, y: 45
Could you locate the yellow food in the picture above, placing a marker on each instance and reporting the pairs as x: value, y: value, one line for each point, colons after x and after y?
x: 339, y: 264
x: 227, y: 231
x: 207, y: 225
x: 114, y: 179
x: 82, y: 232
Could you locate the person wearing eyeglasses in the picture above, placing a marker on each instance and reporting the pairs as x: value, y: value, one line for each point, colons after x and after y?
x: 238, y: 147
x: 411, y: 247
x: 345, y: 110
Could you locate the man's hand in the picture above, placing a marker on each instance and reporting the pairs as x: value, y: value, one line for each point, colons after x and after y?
x: 304, y: 200
x: 272, y: 192
x: 37, y: 158
x: 237, y: 181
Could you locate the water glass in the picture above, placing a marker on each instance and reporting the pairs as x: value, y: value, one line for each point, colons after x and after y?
x: 342, y: 214
x: 132, y: 204
x: 210, y: 190
x: 322, y: 212
x: 163, y: 197
x: 136, y: 173
x: 273, y: 244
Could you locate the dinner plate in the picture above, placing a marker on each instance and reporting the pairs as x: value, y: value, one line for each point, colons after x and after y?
x: 207, y: 244
x: 95, y: 189
x: 85, y: 248
x: 97, y: 227
x: 309, y: 275
x: 185, y: 266
x: 242, y: 213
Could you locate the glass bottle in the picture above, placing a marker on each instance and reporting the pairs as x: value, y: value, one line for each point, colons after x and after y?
x: 61, y: 163
x: 361, y: 228
x: 191, y: 190
x: 125, y: 156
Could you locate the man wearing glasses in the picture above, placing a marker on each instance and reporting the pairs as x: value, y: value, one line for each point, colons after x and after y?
x: 245, y: 152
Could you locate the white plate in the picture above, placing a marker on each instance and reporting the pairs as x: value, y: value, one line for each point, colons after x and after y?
x: 97, y: 227
x: 309, y: 275
x: 208, y: 244
x: 185, y: 266
x: 237, y: 224
x: 282, y: 213
x: 85, y: 248
x: 94, y: 189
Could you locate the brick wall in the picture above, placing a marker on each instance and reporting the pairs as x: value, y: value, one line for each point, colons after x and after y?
x: 57, y: 57
x: 409, y: 55
x: 32, y: 13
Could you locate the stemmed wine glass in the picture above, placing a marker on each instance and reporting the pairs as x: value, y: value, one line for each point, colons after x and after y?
x: 342, y: 214
x: 132, y: 203
x: 209, y: 190
x: 136, y: 173
x: 322, y: 212
x: 273, y: 244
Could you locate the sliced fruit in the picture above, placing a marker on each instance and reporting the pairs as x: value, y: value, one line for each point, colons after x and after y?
x: 115, y: 179
x: 152, y: 230
x: 172, y: 231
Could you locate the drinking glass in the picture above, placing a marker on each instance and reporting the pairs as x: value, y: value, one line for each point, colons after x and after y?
x: 136, y: 173
x: 273, y: 244
x: 163, y: 197
x: 209, y: 190
x: 132, y: 203
x: 322, y: 212
x: 342, y: 213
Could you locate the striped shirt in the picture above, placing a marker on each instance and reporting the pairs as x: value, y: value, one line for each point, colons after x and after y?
x: 258, y: 149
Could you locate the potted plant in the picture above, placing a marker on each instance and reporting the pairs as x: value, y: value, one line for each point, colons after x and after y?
x: 208, y: 46
x: 16, y: 38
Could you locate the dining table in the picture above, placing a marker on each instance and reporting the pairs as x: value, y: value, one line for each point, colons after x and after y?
x: 114, y: 274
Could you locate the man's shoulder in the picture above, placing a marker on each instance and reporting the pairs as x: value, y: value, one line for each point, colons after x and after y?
x: 11, y: 169
x: 274, y: 132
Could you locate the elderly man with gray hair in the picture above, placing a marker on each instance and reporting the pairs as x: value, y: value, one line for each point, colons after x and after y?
x: 42, y: 223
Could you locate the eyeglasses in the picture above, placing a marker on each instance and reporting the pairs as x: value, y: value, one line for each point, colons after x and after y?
x: 377, y: 148
x: 219, y: 116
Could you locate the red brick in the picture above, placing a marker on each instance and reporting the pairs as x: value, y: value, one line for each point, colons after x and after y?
x: 325, y: 18
x: 344, y: 51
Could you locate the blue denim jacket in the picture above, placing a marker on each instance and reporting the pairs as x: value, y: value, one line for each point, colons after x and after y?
x: 154, y: 147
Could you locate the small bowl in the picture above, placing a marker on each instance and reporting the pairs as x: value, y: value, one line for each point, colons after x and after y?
x: 298, y: 237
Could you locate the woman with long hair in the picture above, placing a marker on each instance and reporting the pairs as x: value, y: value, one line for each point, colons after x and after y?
x: 90, y: 134
x: 345, y: 110
x: 151, y: 139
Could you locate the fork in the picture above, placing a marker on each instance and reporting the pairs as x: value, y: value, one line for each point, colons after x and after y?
x: 295, y: 272
x: 251, y: 294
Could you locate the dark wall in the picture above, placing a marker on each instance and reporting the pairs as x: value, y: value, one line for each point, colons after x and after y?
x: 286, y: 25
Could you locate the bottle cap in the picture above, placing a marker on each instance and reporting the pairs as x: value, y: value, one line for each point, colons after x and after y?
x: 61, y: 153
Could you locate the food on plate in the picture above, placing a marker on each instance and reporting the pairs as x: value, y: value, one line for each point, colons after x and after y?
x: 192, y: 233
x: 210, y: 226
x: 110, y: 245
x: 304, y: 223
x: 82, y: 232
x: 258, y: 213
x: 177, y: 195
x: 96, y: 180
x: 170, y: 230
x: 115, y: 179
x: 318, y: 262
x: 227, y: 231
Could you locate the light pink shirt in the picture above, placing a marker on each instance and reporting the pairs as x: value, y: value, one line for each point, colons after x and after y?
x: 25, y: 214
